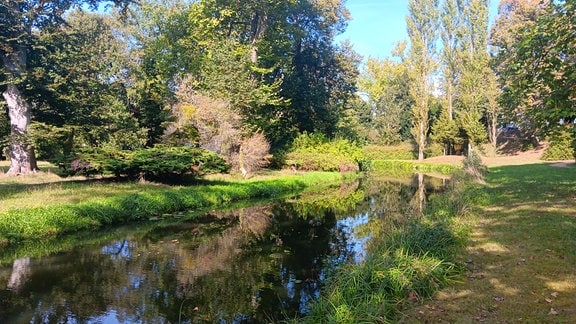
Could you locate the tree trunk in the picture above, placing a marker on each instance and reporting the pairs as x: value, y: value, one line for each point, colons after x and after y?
x: 450, y: 99
x: 258, y: 27
x: 20, y: 150
x: 421, y: 141
x: 493, y: 132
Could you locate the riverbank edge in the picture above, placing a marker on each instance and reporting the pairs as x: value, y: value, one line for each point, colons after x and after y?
x: 49, y: 222
x: 38, y: 223
x: 406, y: 265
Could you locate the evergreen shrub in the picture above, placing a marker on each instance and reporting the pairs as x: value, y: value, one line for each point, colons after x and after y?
x: 560, y: 147
x: 157, y: 163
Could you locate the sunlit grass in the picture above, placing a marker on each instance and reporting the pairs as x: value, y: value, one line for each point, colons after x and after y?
x: 403, y: 167
x: 522, y: 254
x: 33, y: 209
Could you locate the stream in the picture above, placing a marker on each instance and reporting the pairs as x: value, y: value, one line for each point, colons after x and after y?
x: 257, y: 264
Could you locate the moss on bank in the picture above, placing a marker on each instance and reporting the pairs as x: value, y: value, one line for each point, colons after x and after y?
x: 40, y: 222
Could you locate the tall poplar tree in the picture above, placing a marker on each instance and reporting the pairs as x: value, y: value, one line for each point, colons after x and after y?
x: 422, y: 24
x: 450, y: 24
x: 445, y: 130
x: 472, y: 86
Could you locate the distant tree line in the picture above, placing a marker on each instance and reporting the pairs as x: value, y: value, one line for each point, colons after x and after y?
x: 457, y: 84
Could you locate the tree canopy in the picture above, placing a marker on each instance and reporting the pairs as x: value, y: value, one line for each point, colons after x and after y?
x: 225, y: 75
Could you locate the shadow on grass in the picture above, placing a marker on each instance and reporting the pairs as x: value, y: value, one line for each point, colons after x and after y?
x: 522, y: 257
x: 12, y: 187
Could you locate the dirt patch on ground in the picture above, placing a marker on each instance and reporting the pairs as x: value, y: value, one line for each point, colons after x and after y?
x: 564, y: 164
x: 515, y: 158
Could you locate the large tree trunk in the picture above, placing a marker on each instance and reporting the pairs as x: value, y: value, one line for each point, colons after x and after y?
x: 20, y: 150
x: 258, y: 27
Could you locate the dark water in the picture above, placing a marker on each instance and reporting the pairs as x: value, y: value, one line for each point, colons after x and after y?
x: 255, y: 264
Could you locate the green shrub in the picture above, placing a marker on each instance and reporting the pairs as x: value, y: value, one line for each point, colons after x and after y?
x: 158, y: 163
x: 474, y: 166
x: 163, y: 161
x: 404, y: 151
x: 315, y: 152
x: 434, y: 149
x: 560, y: 147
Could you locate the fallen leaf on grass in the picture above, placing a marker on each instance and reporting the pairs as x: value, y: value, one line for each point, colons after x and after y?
x: 552, y: 312
x: 548, y: 300
x: 554, y: 294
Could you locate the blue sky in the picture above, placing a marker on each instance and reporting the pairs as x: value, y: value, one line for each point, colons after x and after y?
x: 378, y: 25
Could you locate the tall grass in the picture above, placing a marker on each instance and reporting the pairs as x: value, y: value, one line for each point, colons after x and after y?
x: 406, y: 264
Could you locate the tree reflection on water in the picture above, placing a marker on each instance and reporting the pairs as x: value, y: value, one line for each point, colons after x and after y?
x: 257, y: 264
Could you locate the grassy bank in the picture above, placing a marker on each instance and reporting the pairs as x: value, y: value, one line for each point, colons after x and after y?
x: 401, y: 167
x: 522, y: 253
x: 48, y: 209
x: 405, y: 264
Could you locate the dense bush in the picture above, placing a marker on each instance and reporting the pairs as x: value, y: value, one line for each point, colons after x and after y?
x: 157, y: 163
x: 560, y: 147
x: 252, y: 154
x: 315, y: 152
x: 404, y: 151
x: 433, y: 149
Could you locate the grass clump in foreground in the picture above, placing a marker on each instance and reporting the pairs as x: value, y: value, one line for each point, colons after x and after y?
x: 407, y: 264
x: 39, y: 221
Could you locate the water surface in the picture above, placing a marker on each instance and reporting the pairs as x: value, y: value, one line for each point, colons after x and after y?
x: 256, y: 264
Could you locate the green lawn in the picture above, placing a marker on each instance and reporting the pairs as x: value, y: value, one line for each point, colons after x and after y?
x: 522, y: 254
x: 45, y: 206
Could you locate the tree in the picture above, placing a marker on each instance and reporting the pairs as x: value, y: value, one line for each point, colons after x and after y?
x: 541, y: 79
x: 422, y: 29
x: 446, y: 131
x: 77, y: 84
x: 451, y: 42
x: 514, y: 17
x: 20, y: 22
x: 493, y: 108
x: 472, y: 92
x: 387, y: 86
